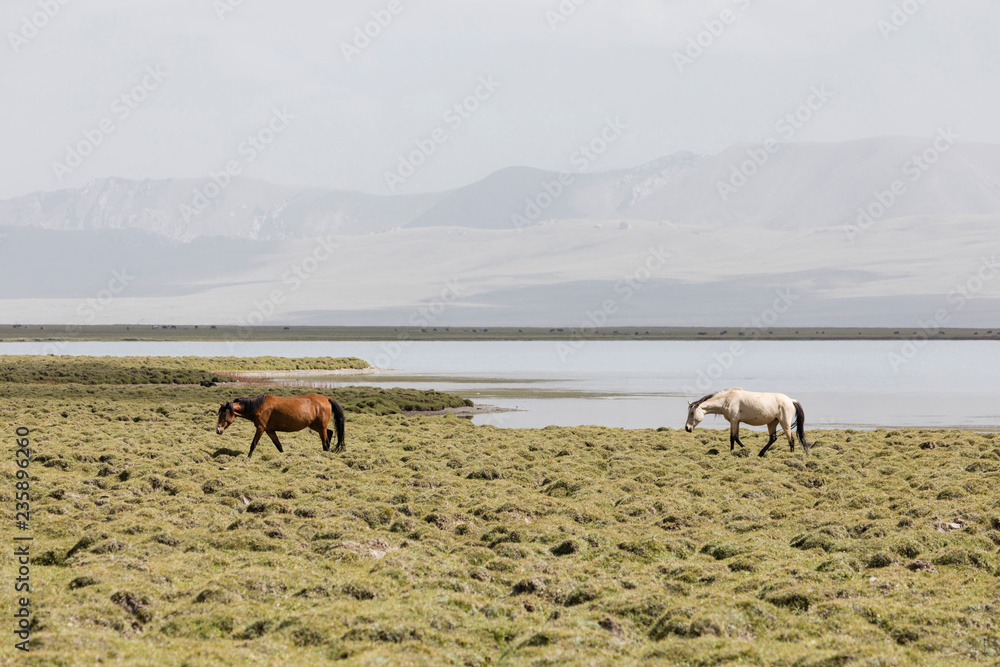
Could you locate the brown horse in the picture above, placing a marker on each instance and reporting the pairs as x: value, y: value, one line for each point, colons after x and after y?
x: 274, y: 413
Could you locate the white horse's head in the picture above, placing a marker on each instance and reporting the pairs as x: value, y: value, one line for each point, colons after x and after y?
x: 695, y: 416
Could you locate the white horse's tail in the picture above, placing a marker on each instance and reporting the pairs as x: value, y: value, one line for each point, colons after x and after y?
x: 800, y: 424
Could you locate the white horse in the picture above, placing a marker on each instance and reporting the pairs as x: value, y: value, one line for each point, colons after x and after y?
x: 753, y: 408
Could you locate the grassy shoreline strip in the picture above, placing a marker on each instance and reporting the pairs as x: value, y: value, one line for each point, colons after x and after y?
x: 157, y: 399
x: 153, y: 370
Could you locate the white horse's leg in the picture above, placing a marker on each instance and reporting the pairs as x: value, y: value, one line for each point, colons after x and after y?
x: 787, y: 427
x: 772, y: 429
x: 734, y: 434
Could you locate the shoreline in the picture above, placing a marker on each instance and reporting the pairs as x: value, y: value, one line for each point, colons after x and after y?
x: 253, y: 375
x: 466, y: 412
x: 47, y: 333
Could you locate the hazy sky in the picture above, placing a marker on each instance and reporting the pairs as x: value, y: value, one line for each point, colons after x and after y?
x: 201, y: 76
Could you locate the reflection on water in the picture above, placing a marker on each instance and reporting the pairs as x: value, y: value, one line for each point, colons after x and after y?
x: 851, y: 384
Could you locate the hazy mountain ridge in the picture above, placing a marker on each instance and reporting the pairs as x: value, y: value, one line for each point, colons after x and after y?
x: 245, y: 208
x: 795, y: 186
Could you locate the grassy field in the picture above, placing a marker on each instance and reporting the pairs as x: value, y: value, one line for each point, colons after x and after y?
x: 13, y: 333
x: 435, y: 541
x: 154, y: 370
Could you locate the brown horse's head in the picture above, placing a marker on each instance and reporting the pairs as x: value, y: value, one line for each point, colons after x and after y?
x: 227, y: 415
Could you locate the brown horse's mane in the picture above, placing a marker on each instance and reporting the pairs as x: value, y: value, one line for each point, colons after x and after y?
x: 250, y: 406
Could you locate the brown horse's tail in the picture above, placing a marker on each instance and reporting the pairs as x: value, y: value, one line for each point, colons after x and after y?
x: 800, y: 425
x: 338, y: 421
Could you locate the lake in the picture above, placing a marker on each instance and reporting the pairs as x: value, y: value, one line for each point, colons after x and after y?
x: 645, y: 384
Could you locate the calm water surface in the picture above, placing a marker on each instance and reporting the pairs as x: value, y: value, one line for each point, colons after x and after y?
x: 645, y: 384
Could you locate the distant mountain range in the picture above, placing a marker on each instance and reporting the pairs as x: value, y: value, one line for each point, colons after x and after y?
x: 683, y: 240
x: 783, y: 186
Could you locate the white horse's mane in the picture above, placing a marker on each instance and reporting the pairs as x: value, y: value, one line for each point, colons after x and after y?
x: 711, y: 396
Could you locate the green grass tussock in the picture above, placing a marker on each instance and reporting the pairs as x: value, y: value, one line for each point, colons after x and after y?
x: 435, y: 541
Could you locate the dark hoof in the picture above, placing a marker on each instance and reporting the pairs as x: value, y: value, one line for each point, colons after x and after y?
x: 339, y: 449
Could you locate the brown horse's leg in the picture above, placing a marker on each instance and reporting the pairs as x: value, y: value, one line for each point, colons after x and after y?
x: 325, y: 434
x: 324, y: 438
x: 274, y: 439
x: 256, y: 439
